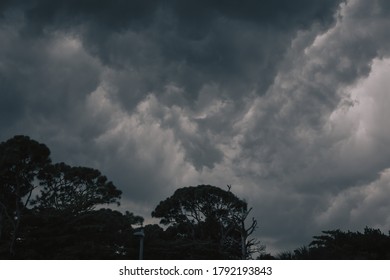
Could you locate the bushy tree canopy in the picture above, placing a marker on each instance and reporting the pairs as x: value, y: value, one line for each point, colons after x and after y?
x: 371, y: 244
x: 209, y: 218
x: 60, y: 222
x: 21, y: 162
x: 74, y: 189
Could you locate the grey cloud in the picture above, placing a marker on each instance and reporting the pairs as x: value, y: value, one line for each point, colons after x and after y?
x: 355, y: 207
x: 162, y: 49
x: 120, y: 13
x: 162, y: 94
x: 299, y: 104
x: 45, y: 83
x: 285, y: 134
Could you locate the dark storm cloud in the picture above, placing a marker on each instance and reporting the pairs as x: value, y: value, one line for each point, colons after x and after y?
x: 189, y: 43
x: 309, y: 90
x: 120, y: 13
x: 269, y: 96
x: 301, y: 155
x: 44, y: 77
x: 65, y: 13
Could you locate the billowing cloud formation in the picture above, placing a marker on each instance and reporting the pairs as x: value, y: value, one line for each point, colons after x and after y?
x: 285, y: 100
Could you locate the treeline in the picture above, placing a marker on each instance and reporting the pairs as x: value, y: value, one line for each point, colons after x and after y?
x: 371, y: 244
x: 56, y: 211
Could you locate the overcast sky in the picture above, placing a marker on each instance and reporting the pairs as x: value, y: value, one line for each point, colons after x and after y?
x: 287, y: 101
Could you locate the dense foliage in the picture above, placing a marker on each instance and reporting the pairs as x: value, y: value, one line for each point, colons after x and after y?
x: 206, y: 222
x: 62, y: 220
x: 371, y: 244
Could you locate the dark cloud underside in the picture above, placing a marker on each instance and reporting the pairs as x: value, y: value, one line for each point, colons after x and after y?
x: 285, y: 100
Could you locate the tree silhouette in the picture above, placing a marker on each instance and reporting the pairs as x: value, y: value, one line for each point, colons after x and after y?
x: 337, y: 244
x: 74, y: 189
x: 21, y: 162
x: 372, y: 244
x: 207, y: 222
x: 62, y: 221
x: 96, y: 234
